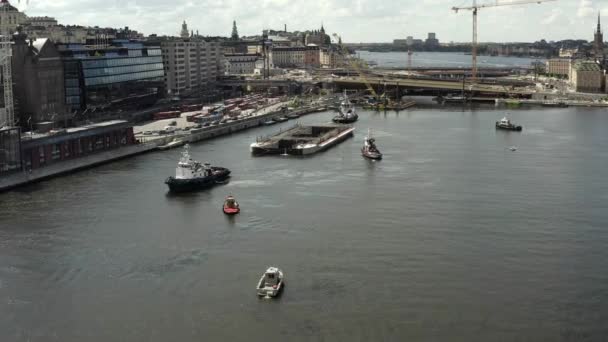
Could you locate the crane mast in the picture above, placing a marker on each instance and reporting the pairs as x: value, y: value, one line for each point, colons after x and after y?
x: 475, y: 8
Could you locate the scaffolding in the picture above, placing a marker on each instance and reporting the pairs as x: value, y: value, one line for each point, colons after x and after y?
x: 7, y: 114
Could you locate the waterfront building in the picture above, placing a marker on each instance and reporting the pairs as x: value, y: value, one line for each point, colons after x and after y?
x: 559, y: 66
x: 239, y: 64
x: 14, y: 17
x: 191, y: 65
x: 41, y: 21
x: 587, y: 77
x: 43, y: 149
x: 297, y: 57
x: 38, y: 80
x: 124, y: 75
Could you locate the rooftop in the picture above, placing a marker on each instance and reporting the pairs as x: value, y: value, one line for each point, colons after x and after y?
x: 587, y: 66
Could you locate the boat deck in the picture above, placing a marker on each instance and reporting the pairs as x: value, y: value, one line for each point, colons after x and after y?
x: 292, y: 140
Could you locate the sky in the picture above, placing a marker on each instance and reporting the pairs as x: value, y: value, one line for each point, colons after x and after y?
x: 354, y: 20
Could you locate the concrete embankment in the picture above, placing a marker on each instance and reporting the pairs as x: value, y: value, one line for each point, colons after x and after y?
x: 68, y: 166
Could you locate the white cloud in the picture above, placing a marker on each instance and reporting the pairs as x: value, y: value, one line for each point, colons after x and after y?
x: 585, y: 8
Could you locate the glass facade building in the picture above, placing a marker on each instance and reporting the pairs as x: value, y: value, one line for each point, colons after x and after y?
x: 124, y: 75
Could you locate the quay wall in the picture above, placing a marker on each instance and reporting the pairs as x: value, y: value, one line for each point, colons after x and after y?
x: 68, y: 166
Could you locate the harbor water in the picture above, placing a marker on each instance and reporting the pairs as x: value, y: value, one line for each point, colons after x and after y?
x: 452, y: 237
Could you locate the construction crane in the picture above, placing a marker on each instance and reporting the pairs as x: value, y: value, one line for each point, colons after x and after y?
x: 7, y: 114
x: 475, y: 8
x: 346, y: 54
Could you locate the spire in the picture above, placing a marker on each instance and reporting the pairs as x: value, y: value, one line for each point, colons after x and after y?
x: 599, y: 24
x: 235, y: 31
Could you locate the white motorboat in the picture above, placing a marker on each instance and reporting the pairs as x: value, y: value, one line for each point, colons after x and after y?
x: 174, y: 143
x: 271, y: 283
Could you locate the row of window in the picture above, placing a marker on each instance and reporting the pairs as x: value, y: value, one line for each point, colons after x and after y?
x: 122, y: 70
x: 124, y: 78
x: 104, y: 63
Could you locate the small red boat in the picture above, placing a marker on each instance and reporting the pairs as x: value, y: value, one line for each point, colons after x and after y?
x: 231, y: 206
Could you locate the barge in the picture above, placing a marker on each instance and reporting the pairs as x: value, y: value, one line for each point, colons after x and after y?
x: 302, y: 140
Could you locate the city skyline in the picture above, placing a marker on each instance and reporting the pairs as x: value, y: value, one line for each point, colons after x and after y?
x: 363, y: 21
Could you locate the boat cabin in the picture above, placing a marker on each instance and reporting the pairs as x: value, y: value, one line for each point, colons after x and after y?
x: 272, y: 277
x: 231, y: 202
x: 505, y: 121
x: 187, y: 168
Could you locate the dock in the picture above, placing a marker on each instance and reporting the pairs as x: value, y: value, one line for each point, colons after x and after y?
x: 148, y: 143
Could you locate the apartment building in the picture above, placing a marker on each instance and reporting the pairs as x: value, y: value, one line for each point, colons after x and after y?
x: 191, y: 65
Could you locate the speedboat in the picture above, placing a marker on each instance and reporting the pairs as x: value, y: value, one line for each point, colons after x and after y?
x: 369, y: 149
x: 231, y: 206
x: 271, y: 283
x: 269, y: 122
x: 191, y: 175
x: 505, y: 124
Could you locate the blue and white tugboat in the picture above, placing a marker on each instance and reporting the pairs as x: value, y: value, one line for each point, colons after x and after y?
x: 348, y: 113
x: 191, y: 175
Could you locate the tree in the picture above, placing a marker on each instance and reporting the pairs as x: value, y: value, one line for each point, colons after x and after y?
x: 235, y: 32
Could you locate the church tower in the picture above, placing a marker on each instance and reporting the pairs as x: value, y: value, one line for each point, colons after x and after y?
x: 185, y: 33
x: 598, y: 39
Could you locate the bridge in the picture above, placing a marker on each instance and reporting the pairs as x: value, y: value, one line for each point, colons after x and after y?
x: 434, y: 86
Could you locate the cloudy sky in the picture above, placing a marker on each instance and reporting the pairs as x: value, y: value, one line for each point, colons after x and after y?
x: 354, y: 20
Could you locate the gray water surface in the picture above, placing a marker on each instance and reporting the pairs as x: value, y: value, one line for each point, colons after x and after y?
x: 452, y: 237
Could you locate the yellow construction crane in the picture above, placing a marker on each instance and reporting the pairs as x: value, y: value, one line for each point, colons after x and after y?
x: 475, y: 7
x: 346, y: 54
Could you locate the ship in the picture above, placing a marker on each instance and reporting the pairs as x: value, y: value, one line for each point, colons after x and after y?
x: 191, y: 175
x: 348, y: 113
x: 369, y: 149
x: 505, y: 124
x: 302, y: 140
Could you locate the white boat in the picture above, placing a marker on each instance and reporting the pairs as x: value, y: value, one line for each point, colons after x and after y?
x: 174, y: 143
x: 271, y: 283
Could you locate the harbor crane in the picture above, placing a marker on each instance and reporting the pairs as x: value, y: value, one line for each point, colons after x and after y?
x: 474, y: 8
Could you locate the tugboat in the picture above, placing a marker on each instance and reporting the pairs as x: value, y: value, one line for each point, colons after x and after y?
x: 231, y: 206
x: 191, y: 175
x: 348, y: 113
x: 271, y: 283
x: 369, y: 149
x: 505, y: 124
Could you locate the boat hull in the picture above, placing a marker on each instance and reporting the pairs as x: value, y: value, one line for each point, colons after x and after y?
x: 231, y: 211
x: 508, y: 128
x: 372, y: 155
x: 196, y: 184
x: 345, y: 120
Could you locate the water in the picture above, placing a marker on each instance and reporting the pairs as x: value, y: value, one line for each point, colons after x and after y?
x: 444, y: 59
x: 452, y: 237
